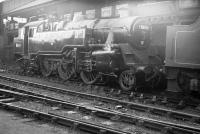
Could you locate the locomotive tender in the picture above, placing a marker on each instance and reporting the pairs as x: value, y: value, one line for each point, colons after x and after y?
x: 131, y: 49
x: 182, y: 61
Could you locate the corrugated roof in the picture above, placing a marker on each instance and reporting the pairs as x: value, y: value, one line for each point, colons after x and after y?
x: 29, y: 5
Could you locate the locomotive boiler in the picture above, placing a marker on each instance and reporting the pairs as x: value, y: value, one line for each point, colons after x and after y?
x: 93, y: 49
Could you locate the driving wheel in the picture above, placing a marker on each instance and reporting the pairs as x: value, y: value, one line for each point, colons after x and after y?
x: 127, y: 80
x: 89, y: 77
x: 66, y: 70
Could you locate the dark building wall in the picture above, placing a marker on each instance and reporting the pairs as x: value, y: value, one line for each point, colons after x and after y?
x: 1, y: 19
x: 1, y: 33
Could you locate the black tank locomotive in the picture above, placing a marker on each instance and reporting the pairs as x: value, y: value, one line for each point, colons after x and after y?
x: 94, y: 49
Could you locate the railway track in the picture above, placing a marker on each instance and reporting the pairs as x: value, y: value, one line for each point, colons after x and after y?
x: 176, y: 100
x: 12, y: 99
x: 125, y: 104
x: 145, y: 122
x: 9, y: 97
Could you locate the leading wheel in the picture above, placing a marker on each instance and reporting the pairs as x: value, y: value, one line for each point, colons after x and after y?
x: 46, y: 67
x: 127, y: 80
x: 66, y: 70
x: 89, y: 77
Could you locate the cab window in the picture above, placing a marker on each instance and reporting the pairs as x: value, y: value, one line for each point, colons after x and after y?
x: 44, y: 27
x: 40, y: 28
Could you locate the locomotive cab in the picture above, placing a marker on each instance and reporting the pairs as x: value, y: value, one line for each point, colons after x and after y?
x: 26, y: 33
x: 18, y: 43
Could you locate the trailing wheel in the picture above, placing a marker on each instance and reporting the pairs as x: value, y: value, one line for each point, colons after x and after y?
x: 23, y: 64
x: 46, y: 67
x: 66, y: 70
x: 127, y: 80
x: 89, y: 77
x: 183, y: 81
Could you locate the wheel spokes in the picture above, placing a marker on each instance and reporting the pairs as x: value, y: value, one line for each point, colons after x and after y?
x: 89, y: 77
x: 127, y: 80
x: 66, y: 71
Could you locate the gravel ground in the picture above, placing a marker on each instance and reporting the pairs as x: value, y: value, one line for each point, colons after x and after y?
x: 8, y: 70
x: 11, y: 123
x: 92, y: 103
x: 88, y: 89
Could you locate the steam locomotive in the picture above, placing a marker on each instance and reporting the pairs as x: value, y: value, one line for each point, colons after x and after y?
x: 136, y: 51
